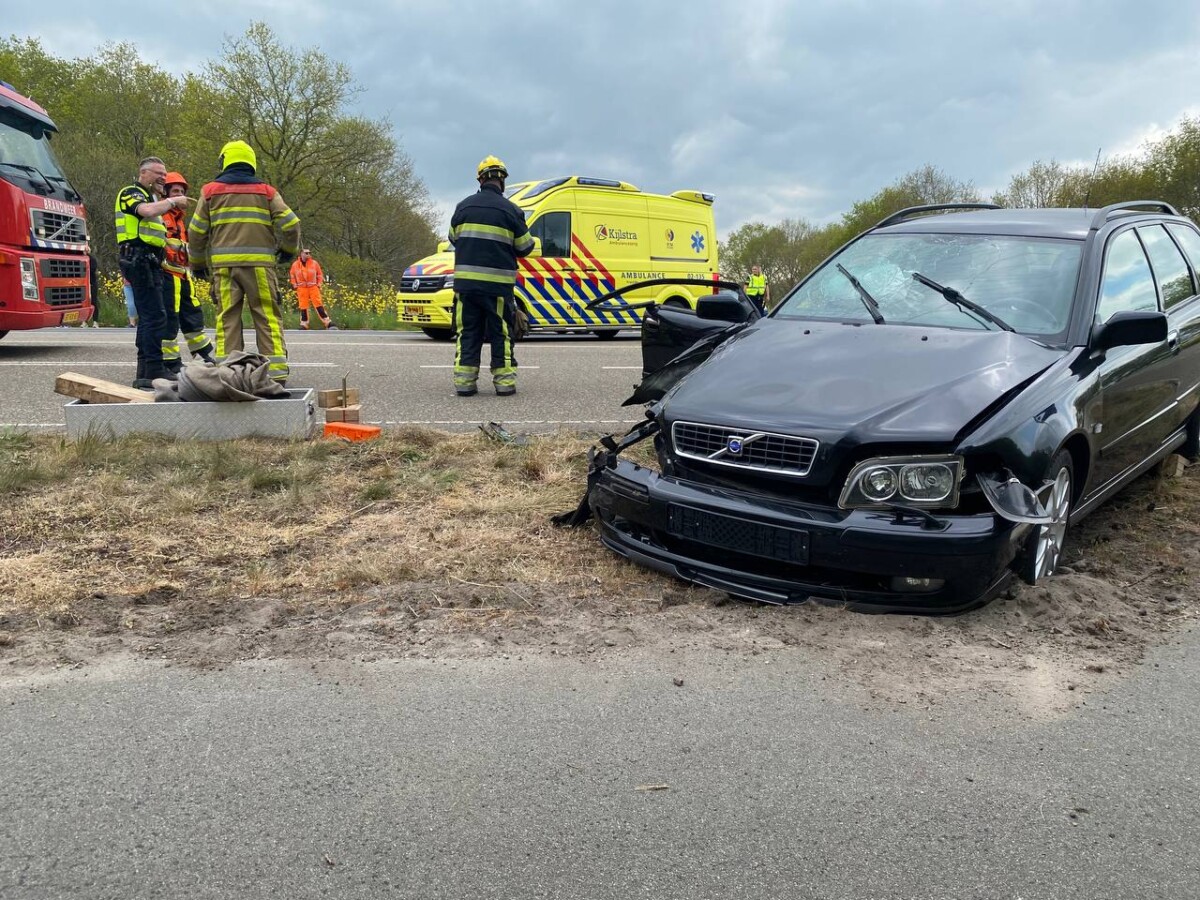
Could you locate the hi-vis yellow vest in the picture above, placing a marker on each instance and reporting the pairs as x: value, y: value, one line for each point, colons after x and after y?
x: 149, y: 230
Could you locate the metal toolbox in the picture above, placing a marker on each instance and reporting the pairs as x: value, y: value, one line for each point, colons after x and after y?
x: 293, y: 418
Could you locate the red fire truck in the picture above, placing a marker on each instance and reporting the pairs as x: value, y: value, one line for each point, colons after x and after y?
x: 44, y: 263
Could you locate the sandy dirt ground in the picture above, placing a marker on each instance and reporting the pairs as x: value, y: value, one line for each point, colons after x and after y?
x: 109, y: 564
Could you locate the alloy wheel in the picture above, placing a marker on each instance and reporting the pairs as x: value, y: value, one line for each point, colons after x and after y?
x: 1051, y: 537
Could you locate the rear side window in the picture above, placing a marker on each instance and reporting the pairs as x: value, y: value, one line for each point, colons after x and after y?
x: 1190, y: 241
x: 1128, y: 283
x: 554, y: 229
x: 1170, y: 268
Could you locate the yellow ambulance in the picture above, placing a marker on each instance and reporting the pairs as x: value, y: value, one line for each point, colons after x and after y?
x: 596, y: 235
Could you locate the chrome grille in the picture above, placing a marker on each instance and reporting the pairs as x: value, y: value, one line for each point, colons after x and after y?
x: 422, y: 284
x: 56, y: 267
x: 744, y: 448
x: 59, y: 227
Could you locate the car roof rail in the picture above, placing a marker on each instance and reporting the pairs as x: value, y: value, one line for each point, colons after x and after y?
x: 1129, y: 208
x: 913, y: 211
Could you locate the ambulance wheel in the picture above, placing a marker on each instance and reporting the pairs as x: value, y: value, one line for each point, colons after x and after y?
x: 677, y: 303
x: 606, y: 334
x: 439, y: 334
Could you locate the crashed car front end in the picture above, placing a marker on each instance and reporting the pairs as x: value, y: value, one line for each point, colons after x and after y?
x: 767, y: 546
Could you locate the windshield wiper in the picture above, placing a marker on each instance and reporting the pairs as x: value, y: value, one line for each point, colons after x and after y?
x: 864, y: 294
x: 962, y: 302
x: 34, y: 169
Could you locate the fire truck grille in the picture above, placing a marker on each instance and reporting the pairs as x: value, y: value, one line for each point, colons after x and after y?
x: 58, y: 227
x: 53, y: 267
x: 64, y: 296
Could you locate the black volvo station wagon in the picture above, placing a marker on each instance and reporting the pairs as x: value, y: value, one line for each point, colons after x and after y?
x: 921, y: 418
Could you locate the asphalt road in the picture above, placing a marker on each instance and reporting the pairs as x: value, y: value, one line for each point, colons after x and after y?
x: 512, y: 778
x: 405, y: 378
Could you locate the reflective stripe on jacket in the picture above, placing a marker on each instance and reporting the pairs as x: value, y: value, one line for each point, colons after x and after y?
x: 131, y: 227
x: 237, y: 225
x: 488, y: 233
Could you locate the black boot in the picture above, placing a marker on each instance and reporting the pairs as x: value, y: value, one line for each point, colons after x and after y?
x: 140, y: 381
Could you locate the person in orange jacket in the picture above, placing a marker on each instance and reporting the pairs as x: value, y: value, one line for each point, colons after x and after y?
x: 306, y: 277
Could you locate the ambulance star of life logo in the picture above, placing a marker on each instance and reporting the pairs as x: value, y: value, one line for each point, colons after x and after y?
x: 602, y: 232
x: 697, y: 241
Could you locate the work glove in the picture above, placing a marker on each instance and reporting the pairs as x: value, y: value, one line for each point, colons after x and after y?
x: 200, y: 272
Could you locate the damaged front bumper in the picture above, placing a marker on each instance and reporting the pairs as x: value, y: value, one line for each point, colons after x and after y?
x: 776, y: 551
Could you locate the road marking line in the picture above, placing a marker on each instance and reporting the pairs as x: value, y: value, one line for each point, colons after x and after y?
x: 519, y: 368
x: 70, y: 363
x: 613, y: 368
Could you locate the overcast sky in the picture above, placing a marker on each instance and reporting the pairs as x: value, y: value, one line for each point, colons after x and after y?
x: 782, y: 109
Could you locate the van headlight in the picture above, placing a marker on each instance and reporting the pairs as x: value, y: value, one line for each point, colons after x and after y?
x: 449, y: 282
x: 913, y: 480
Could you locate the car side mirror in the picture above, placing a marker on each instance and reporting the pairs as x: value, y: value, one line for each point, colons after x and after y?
x: 443, y: 247
x: 1130, y: 328
x: 724, y: 306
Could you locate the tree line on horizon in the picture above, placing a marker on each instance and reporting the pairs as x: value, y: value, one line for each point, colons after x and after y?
x: 363, y: 209
x: 1166, y: 169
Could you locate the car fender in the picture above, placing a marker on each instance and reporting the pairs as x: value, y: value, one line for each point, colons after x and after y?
x: 1025, y: 433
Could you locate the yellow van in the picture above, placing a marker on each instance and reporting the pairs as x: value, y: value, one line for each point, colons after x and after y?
x: 596, y: 235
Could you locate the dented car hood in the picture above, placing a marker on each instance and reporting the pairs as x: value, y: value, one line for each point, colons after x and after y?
x: 865, y: 382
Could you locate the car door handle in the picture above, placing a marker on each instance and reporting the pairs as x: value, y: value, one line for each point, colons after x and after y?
x: 1173, y: 341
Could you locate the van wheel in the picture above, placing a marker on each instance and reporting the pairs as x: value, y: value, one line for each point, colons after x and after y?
x: 677, y: 303
x: 606, y: 334
x: 439, y: 334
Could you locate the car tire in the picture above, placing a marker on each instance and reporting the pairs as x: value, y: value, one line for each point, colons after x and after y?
x: 677, y: 303
x: 606, y: 334
x: 1191, y: 445
x: 1043, y: 552
x: 439, y: 334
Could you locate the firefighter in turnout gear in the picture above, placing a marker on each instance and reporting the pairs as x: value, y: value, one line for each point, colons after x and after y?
x: 241, y: 229
x: 488, y: 233
x: 141, y: 244
x: 180, y: 295
x: 306, y: 278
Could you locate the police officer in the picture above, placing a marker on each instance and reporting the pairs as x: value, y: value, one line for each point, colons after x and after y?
x: 488, y: 233
x: 141, y: 240
x: 758, y: 290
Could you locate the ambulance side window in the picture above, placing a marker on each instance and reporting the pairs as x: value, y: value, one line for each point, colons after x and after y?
x: 554, y: 229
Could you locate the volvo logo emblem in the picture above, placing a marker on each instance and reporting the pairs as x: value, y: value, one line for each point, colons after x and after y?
x: 734, y: 446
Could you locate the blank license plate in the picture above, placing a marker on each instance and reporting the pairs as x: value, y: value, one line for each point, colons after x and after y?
x: 739, y: 535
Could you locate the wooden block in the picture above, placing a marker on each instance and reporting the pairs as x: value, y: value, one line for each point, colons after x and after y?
x: 344, y: 414
x: 97, y: 390
x: 1172, y: 466
x: 336, y: 397
x: 352, y: 431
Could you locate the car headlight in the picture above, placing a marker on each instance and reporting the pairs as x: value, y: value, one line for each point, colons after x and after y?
x: 914, y: 480
x: 449, y: 282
